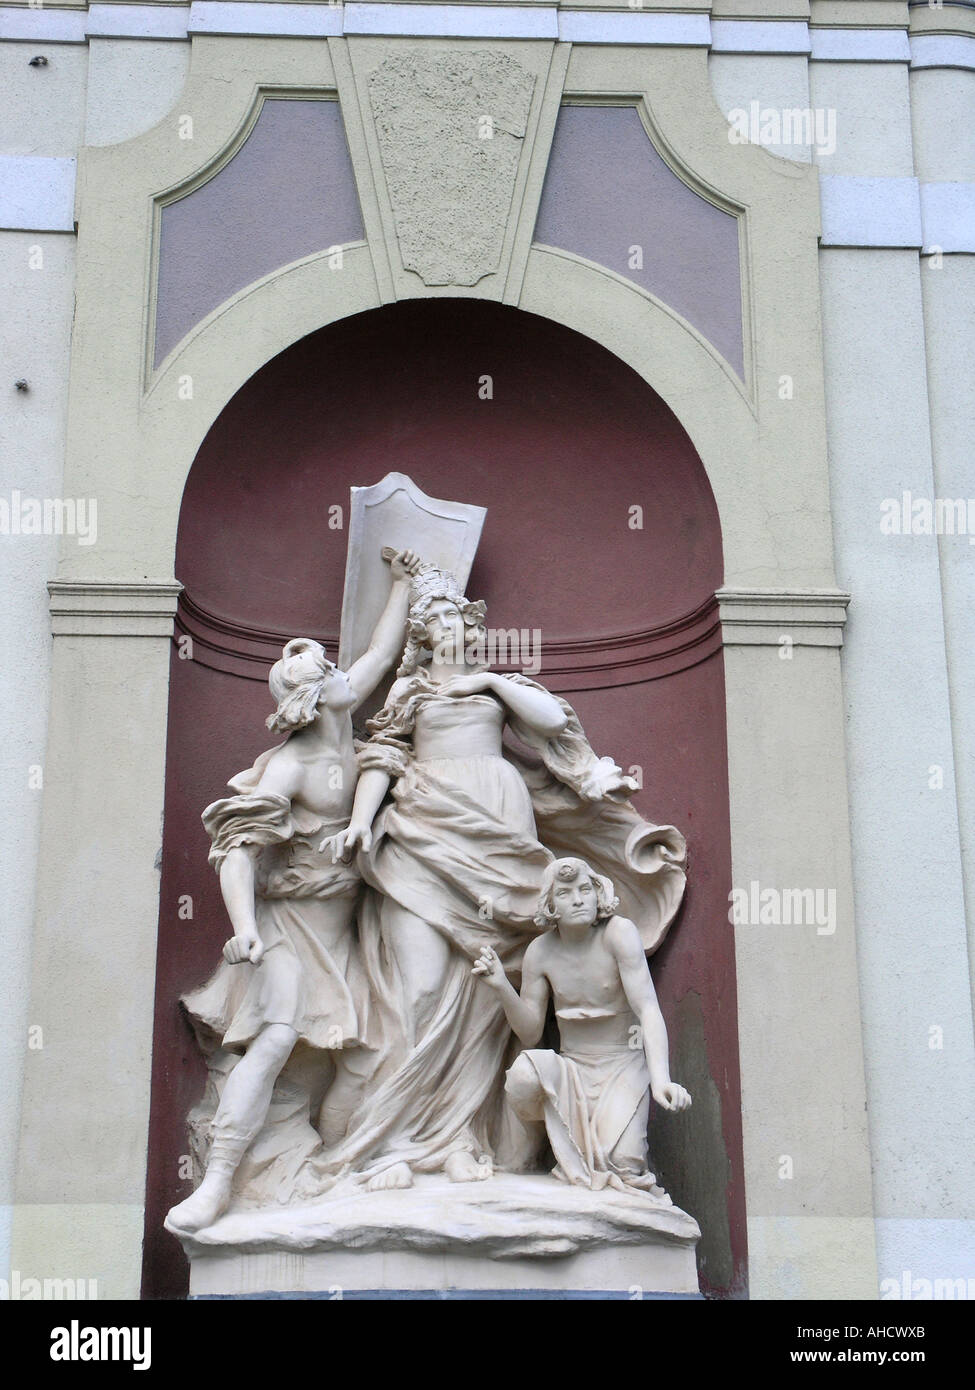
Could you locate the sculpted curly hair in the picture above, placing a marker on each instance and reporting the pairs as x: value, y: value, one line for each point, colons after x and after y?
x: 567, y: 871
x: 417, y: 649
x: 297, y: 696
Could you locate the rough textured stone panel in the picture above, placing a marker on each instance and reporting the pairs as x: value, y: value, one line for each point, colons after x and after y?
x: 450, y: 129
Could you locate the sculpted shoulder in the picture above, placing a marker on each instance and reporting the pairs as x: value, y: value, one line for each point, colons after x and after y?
x: 623, y: 937
x: 538, y: 951
x: 282, y: 773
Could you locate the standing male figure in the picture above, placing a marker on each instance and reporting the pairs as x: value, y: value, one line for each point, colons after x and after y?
x: 593, y: 1098
x: 291, y: 905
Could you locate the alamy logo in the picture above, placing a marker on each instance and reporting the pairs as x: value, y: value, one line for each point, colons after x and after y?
x: 77, y: 1343
x: 756, y: 906
x: 803, y: 126
x: 908, y: 515
x: 20, y: 1289
x: 907, y: 1287
x: 499, y: 646
x: 49, y: 516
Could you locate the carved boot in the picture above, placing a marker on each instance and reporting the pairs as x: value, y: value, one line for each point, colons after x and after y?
x: 212, y: 1197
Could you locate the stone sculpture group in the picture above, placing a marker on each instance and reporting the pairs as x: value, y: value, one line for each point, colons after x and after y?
x: 406, y: 907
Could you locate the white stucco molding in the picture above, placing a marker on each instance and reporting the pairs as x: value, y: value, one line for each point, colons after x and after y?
x: 763, y: 617
x: 870, y: 212
x: 449, y: 21
x: 943, y: 51
x: 138, y: 21
x: 278, y: 20
x: 897, y: 212
x: 113, y: 609
x: 452, y: 21
x: 304, y: 20
x: 97, y: 22
x: 537, y: 21
x: 759, y: 36
x: 860, y: 46
x: 44, y: 26
x: 948, y: 216
x: 606, y: 26
x: 37, y: 193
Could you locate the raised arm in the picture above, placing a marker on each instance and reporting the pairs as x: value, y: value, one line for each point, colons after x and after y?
x: 389, y: 634
x: 525, y: 1012
x: 623, y: 940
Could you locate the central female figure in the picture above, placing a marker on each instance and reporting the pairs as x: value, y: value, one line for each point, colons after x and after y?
x: 455, y: 866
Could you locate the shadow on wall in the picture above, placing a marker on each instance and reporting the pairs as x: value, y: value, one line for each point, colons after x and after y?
x: 688, y: 1150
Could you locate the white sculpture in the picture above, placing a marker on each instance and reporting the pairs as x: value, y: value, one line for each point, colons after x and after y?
x: 292, y: 911
x: 593, y: 1098
x: 454, y: 863
x: 376, y: 922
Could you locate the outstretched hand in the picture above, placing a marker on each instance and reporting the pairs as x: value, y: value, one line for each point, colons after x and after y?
x: 488, y: 965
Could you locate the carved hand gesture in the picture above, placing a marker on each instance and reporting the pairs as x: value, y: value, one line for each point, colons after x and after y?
x: 245, y: 946
x: 488, y: 966
x: 670, y: 1096
x: 473, y: 684
x: 404, y: 563
x: 343, y: 845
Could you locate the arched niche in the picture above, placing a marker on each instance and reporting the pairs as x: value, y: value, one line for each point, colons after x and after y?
x: 602, y: 532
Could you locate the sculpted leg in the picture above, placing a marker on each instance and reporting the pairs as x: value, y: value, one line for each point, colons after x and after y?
x: 629, y: 1153
x: 523, y: 1123
x: 342, y: 1095
x: 523, y: 1092
x: 422, y: 958
x: 242, y: 1110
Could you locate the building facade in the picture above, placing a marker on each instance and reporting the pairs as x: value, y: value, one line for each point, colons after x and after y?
x: 689, y: 288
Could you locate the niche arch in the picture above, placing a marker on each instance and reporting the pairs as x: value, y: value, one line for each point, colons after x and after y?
x: 602, y: 532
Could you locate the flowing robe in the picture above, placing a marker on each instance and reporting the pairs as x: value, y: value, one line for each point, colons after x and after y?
x: 594, y: 1102
x: 300, y: 982
x: 309, y: 979
x: 458, y: 844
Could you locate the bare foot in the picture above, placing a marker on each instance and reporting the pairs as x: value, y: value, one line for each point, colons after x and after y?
x: 464, y: 1167
x: 400, y: 1175
x: 210, y: 1200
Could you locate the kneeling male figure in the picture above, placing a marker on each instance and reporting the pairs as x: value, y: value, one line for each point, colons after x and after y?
x: 593, y: 1097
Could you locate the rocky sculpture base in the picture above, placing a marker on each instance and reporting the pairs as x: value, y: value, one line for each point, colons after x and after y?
x: 512, y: 1232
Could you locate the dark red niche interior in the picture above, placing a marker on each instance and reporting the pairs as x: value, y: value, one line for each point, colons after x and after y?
x: 571, y: 440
